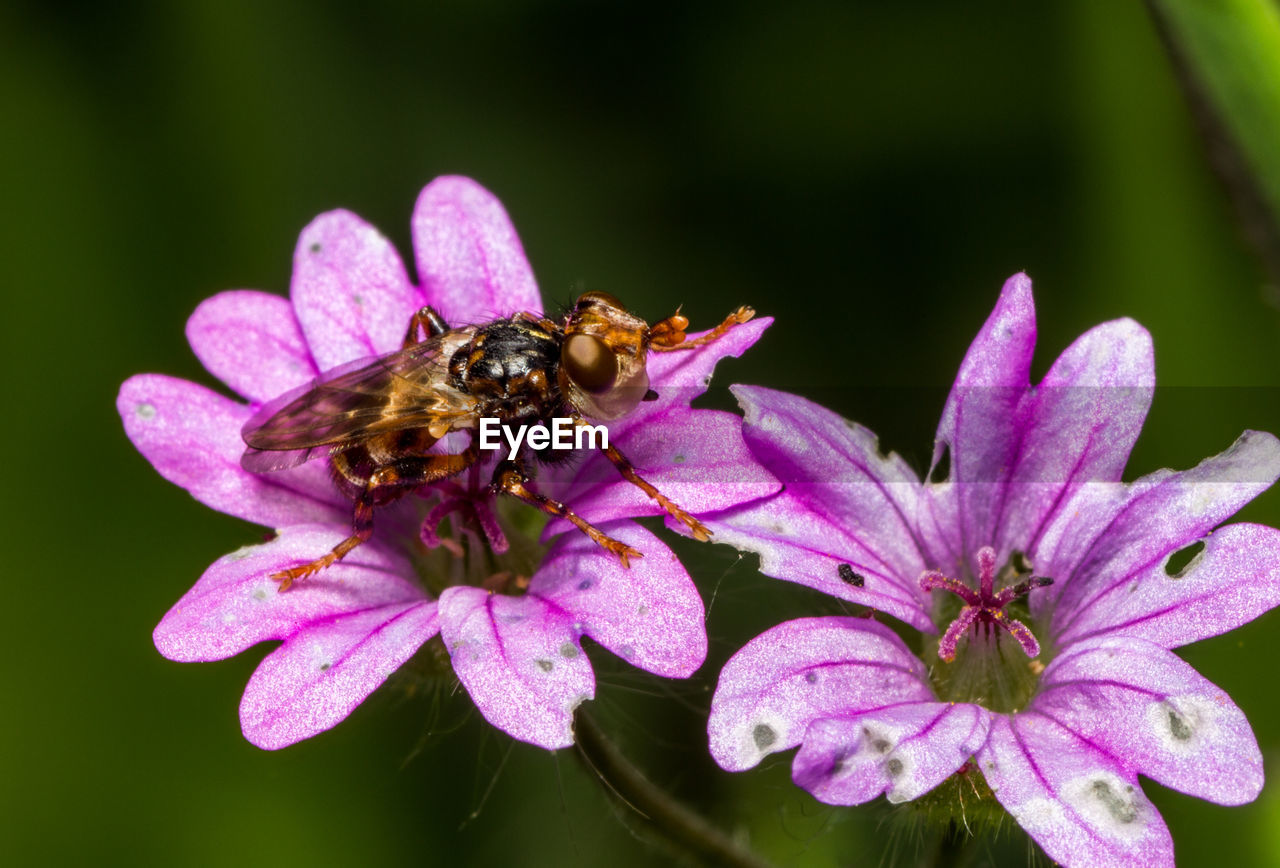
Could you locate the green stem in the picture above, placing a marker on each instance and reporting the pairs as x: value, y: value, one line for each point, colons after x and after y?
x: 1224, y: 54
x: 676, y: 822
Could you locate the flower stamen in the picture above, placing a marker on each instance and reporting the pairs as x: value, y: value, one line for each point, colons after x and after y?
x: 947, y: 646
x: 984, y: 606
x: 933, y: 580
x: 473, y: 506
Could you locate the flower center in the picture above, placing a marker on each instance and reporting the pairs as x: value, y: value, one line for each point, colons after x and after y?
x: 979, y: 669
x: 473, y: 538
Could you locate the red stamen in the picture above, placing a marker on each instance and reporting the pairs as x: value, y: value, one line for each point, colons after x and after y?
x: 950, y: 639
x: 481, y: 515
x: 1013, y: 592
x: 984, y: 606
x: 430, y: 524
x: 934, y: 580
x: 489, y: 524
x: 987, y: 571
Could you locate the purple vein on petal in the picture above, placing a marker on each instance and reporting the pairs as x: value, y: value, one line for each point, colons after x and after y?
x: 252, y: 342
x: 350, y: 291
x: 319, y: 676
x: 470, y: 262
x: 192, y: 437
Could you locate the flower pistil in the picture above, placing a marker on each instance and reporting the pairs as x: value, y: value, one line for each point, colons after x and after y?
x: 984, y: 606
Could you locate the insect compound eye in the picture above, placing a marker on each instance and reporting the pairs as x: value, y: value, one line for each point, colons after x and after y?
x: 597, y: 297
x: 589, y: 362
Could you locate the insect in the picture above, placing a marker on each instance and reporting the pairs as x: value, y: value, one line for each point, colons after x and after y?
x: 849, y: 577
x: 376, y: 419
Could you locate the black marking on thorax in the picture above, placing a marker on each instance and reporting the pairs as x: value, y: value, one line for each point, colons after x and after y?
x: 512, y: 368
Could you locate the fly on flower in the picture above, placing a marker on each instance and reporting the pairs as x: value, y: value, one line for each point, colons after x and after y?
x: 376, y: 419
x: 514, y: 646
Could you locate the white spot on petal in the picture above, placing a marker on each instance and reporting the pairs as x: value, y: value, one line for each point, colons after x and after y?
x: 1182, y: 723
x: 320, y: 660
x: 878, y: 740
x: 771, y: 424
x: 900, y: 768
x: 240, y: 553
x: 144, y: 411
x: 1109, y: 805
x: 1039, y: 815
x: 760, y: 737
x: 763, y: 735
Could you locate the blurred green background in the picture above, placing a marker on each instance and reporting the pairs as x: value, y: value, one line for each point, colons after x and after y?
x: 867, y: 174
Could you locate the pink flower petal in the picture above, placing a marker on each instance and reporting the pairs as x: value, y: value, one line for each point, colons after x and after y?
x: 982, y: 421
x: 318, y: 676
x: 236, y: 604
x: 470, y: 262
x: 1082, y: 421
x: 650, y: 615
x: 1232, y: 581
x: 799, y: 544
x: 192, y: 437
x: 252, y: 342
x: 805, y: 670
x: 837, y: 468
x: 697, y: 458
x: 680, y: 377
x: 1115, y: 536
x: 1074, y: 799
x: 520, y: 660
x: 903, y: 751
x: 350, y: 290
x: 1154, y: 712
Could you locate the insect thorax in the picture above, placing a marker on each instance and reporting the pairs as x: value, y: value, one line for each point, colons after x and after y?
x: 511, y: 367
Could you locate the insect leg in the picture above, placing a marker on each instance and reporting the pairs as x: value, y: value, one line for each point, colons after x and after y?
x: 430, y: 322
x: 385, y: 485
x: 509, y: 478
x: 362, y: 523
x: 700, y: 531
x: 669, y: 335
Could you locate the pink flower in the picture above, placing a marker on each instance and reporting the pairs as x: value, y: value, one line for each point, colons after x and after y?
x: 345, y: 630
x: 1033, y: 494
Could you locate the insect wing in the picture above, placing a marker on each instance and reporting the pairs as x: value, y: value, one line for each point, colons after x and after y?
x: 264, y: 461
x: 358, y: 400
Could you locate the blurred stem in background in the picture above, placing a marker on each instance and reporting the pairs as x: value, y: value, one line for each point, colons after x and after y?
x: 657, y: 810
x: 1226, y: 54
